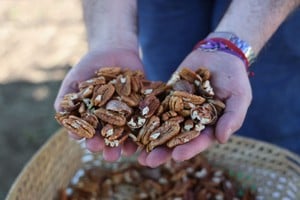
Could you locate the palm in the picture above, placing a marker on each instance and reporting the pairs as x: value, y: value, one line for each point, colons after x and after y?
x: 231, y: 84
x: 84, y: 70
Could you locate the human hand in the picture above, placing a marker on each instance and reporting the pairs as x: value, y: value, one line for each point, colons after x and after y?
x: 84, y: 70
x: 231, y: 84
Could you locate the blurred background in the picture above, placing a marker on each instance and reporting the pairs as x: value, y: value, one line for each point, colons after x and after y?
x: 39, y: 41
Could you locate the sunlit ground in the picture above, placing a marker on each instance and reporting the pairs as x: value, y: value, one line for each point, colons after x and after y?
x: 39, y: 41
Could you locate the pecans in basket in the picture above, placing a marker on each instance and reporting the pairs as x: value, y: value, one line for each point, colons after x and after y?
x: 121, y: 104
x: 192, y: 179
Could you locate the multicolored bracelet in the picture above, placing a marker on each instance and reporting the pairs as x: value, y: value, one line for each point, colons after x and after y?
x: 230, y: 43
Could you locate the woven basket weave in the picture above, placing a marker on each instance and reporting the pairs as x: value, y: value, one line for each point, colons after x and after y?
x: 273, y: 172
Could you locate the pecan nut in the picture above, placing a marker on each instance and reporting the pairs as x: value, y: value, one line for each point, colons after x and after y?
x: 147, y: 129
x: 123, y: 85
x: 103, y: 94
x: 162, y: 134
x: 182, y: 138
x: 194, y: 99
x: 109, y: 72
x: 79, y: 127
x: 110, y: 117
x: 149, y: 105
x: 119, y: 107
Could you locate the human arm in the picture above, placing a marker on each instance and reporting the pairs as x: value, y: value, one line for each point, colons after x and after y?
x: 230, y: 78
x: 112, y: 41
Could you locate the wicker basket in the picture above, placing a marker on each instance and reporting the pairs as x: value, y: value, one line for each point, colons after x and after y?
x: 273, y: 172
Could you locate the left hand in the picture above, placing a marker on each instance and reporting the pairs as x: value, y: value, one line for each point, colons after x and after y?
x: 231, y: 84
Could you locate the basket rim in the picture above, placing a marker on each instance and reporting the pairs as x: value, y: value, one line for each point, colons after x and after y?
x: 31, y: 162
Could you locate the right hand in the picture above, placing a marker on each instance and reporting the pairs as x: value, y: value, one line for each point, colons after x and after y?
x: 85, y: 70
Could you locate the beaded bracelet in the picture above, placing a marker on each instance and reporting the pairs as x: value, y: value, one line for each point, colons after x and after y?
x: 230, y: 43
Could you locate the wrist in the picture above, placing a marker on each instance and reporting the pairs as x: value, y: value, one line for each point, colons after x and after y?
x: 228, y: 43
x: 113, y: 40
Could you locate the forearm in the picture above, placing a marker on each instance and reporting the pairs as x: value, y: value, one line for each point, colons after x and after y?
x: 110, y: 23
x: 255, y: 21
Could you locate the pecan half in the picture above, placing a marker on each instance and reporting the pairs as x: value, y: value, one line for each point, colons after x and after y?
x: 194, y: 99
x: 182, y: 138
x: 167, y: 115
x: 110, y: 117
x: 189, y: 75
x: 60, y: 116
x: 163, y: 133
x: 119, y: 106
x: 78, y: 126
x: 132, y: 100
x: 103, y: 94
x: 176, y: 103
x: 147, y: 129
x: 93, y: 81
x: 70, y: 102
x: 123, y: 85
x: 149, y: 105
x: 91, y: 119
x: 109, y: 72
x: 112, y: 132
x: 86, y: 92
x: 204, y: 73
x: 152, y: 88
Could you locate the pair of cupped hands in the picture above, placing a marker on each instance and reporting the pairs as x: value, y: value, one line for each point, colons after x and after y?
x: 229, y: 80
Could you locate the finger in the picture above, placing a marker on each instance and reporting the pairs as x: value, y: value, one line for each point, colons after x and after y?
x: 74, y: 136
x: 194, y: 147
x: 129, y: 148
x: 232, y: 118
x: 111, y: 154
x: 158, y: 156
x: 142, y: 158
x: 95, y: 144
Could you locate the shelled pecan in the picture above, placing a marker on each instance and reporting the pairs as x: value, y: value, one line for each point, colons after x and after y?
x: 151, y: 113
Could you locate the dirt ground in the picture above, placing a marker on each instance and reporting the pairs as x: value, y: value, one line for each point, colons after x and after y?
x: 39, y: 41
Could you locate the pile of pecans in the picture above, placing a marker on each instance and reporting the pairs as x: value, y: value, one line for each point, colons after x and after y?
x: 193, y: 179
x: 121, y: 104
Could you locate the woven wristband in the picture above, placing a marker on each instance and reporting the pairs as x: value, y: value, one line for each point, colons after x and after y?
x: 229, y: 43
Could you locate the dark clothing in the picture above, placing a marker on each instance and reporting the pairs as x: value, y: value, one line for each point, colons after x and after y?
x: 168, y: 30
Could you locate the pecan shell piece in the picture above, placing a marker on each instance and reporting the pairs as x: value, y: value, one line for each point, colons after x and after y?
x: 205, y: 114
x: 184, y: 86
x: 110, y: 117
x: 103, y: 94
x: 136, y: 122
x: 182, y: 138
x: 79, y: 127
